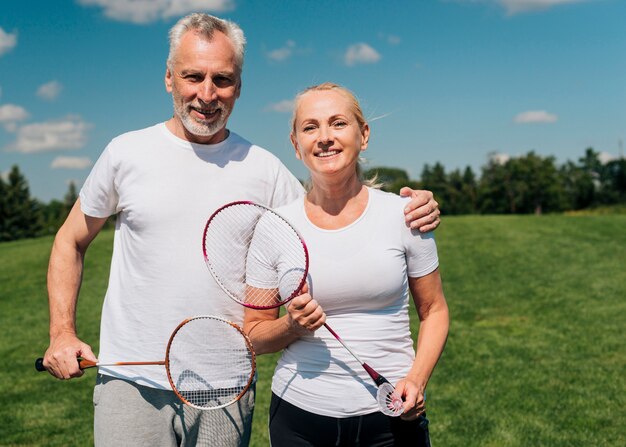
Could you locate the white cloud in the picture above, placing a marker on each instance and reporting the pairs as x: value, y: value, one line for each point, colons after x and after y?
x: 50, y: 90
x: 280, y: 54
x: 71, y: 163
x: 512, y: 7
x: 285, y: 106
x: 606, y: 157
x: 67, y: 133
x: 535, y: 116
x: 361, y: 53
x: 499, y: 157
x: 393, y: 40
x: 7, y: 41
x: 10, y: 115
x: 146, y: 11
x: 390, y: 38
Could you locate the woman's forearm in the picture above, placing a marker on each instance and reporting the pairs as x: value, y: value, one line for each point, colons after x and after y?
x: 270, y: 335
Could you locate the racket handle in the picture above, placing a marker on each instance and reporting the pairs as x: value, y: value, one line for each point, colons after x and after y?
x: 82, y: 364
x: 376, y: 377
x: 39, y: 364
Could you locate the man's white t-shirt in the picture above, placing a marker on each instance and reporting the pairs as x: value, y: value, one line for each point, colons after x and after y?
x: 359, y: 275
x: 164, y: 189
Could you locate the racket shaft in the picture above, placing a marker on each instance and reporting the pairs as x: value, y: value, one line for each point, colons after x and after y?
x: 376, y: 377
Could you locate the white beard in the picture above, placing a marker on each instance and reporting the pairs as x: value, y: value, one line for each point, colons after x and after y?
x: 197, y: 127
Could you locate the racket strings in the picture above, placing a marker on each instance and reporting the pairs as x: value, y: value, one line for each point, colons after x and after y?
x: 255, y: 255
x: 210, y: 362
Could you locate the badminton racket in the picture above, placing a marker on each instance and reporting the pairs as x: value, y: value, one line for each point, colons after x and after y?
x: 209, y: 361
x: 262, y: 262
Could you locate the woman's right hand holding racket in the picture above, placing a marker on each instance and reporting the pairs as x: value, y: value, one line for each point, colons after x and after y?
x: 305, y: 315
x: 60, y: 358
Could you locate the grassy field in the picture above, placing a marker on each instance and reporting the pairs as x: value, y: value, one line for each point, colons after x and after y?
x: 535, y: 357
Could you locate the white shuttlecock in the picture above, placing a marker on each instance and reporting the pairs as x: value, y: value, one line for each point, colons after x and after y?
x: 389, y: 402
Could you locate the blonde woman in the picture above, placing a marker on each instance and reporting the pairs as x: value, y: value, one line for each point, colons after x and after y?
x: 364, y: 260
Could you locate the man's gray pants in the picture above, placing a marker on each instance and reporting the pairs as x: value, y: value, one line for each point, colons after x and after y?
x: 128, y: 414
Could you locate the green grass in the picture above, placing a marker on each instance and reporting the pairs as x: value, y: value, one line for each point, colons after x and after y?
x: 535, y: 355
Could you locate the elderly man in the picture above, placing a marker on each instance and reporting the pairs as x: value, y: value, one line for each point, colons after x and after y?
x: 163, y: 182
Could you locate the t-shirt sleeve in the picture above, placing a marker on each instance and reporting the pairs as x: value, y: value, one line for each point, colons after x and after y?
x: 421, y: 252
x: 287, y: 188
x: 98, y: 196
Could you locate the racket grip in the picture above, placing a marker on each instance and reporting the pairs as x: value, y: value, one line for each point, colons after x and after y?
x: 82, y: 364
x: 39, y: 364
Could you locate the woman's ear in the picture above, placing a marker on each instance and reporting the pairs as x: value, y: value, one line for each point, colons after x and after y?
x: 366, y: 136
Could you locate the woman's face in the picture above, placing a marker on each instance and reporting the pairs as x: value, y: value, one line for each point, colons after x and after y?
x: 328, y: 138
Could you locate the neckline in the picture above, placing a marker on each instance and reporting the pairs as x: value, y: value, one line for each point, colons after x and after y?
x: 340, y: 229
x: 186, y: 144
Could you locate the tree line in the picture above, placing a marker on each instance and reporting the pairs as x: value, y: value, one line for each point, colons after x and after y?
x: 22, y: 216
x: 521, y: 185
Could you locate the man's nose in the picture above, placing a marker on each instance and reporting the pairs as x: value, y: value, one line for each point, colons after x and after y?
x: 207, y: 91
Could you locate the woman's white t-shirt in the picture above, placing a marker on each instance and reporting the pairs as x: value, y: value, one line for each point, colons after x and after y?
x: 359, y: 275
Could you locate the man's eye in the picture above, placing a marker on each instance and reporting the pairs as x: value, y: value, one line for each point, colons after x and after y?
x: 223, y: 81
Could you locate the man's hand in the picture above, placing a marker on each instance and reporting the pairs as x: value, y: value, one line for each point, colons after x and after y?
x: 422, y: 212
x: 60, y: 358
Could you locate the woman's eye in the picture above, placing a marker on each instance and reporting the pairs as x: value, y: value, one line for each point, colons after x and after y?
x: 340, y: 124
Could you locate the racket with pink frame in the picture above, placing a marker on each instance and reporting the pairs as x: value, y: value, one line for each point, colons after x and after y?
x: 209, y: 362
x: 260, y: 260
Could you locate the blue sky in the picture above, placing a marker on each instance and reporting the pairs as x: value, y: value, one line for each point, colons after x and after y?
x: 448, y: 81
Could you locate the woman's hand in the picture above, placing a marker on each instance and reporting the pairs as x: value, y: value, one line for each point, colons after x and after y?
x: 305, y: 315
x: 412, y: 395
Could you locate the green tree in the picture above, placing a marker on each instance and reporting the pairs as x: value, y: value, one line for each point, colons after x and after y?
x: 614, y: 180
x: 70, y: 198
x: 578, y: 186
x: 528, y: 184
x: 461, y: 192
x: 22, y: 216
x: 434, y: 179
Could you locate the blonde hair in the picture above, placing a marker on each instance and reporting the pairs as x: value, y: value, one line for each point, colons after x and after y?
x: 355, y: 107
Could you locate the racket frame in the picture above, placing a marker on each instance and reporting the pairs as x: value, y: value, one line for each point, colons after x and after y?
x: 221, y: 284
x: 171, y: 379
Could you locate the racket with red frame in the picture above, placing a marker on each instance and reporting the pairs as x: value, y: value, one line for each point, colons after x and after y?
x: 260, y: 260
x: 209, y: 362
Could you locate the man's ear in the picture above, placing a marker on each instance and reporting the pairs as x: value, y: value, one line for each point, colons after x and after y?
x: 238, y: 92
x: 294, y: 143
x: 168, y: 80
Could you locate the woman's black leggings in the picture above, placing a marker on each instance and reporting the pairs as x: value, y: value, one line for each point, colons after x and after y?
x: 291, y: 426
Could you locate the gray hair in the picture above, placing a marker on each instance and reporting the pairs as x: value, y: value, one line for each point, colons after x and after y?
x: 206, y: 25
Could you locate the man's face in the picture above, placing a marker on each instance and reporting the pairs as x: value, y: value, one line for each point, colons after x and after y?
x: 204, y: 83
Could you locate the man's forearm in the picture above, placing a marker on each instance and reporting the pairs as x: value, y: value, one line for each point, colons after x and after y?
x: 64, y: 278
